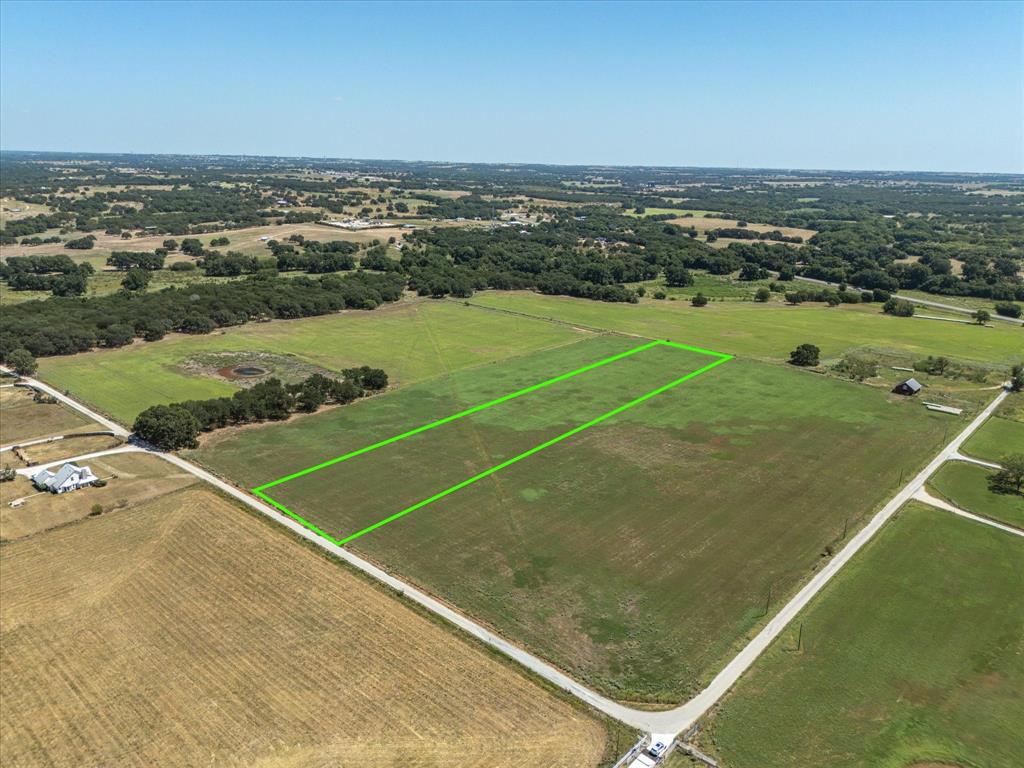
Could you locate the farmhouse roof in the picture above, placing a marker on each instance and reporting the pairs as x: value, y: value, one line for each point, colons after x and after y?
x: 912, y: 384
x: 42, y: 477
x: 46, y: 478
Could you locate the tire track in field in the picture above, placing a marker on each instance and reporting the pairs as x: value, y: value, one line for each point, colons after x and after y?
x: 467, y: 426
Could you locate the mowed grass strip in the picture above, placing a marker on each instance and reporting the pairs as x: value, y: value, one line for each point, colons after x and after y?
x: 476, y: 443
x: 912, y: 656
x: 966, y: 486
x: 411, y: 341
x: 771, y: 331
x: 638, y: 554
x: 187, y: 632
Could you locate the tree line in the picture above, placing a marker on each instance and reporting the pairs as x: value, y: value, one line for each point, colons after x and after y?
x: 178, y: 425
x: 61, y: 326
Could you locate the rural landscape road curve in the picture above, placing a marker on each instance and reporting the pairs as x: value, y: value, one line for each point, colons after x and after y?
x: 671, y: 721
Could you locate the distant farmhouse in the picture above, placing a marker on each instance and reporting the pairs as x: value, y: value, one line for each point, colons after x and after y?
x: 70, y: 477
x: 908, y: 387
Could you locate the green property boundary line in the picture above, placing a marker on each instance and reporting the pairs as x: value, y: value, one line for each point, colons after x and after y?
x: 259, y: 491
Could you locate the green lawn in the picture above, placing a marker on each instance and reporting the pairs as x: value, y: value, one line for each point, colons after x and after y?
x: 913, y: 656
x: 636, y: 555
x: 966, y: 486
x: 996, y: 438
x: 772, y: 331
x: 412, y: 341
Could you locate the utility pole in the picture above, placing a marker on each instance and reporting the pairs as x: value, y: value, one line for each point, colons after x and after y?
x: 768, y: 601
x: 800, y: 637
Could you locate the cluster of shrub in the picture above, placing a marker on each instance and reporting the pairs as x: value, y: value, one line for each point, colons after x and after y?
x: 916, y: 255
x: 30, y: 241
x: 58, y: 274
x: 170, y: 427
x: 315, y: 258
x: 81, y: 243
x: 174, y: 211
x: 737, y: 233
x: 467, y: 207
x: 33, y: 225
x: 589, y: 253
x: 125, y: 260
x: 66, y: 326
x: 834, y: 297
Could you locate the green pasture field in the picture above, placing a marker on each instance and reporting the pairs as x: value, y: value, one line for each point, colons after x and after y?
x: 966, y: 486
x: 1012, y: 408
x: 640, y: 553
x: 772, y: 331
x: 713, y: 286
x: 550, y: 406
x: 911, y: 657
x: 996, y: 438
x: 411, y: 341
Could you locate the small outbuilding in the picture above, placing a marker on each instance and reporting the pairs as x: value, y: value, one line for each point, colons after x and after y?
x: 908, y: 387
x: 70, y: 477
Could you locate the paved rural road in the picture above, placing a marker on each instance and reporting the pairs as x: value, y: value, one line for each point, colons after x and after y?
x: 922, y: 302
x: 663, y: 723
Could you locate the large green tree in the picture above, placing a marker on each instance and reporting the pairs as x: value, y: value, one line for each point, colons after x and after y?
x: 805, y: 355
x: 168, y: 427
x: 22, y: 362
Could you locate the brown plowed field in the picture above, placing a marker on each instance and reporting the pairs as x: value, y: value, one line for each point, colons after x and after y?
x: 185, y: 632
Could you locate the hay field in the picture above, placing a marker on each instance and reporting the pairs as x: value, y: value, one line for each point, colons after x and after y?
x: 913, y: 656
x: 21, y: 418
x: 186, y: 632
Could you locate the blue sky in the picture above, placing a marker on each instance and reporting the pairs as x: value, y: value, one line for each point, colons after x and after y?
x: 916, y: 86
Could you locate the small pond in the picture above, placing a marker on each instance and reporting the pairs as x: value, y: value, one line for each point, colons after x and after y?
x: 248, y: 370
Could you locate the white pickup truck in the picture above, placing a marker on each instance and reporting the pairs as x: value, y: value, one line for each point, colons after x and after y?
x: 651, y: 756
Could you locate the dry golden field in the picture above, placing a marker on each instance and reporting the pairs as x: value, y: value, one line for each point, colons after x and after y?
x: 21, y: 418
x: 702, y: 225
x: 132, y: 478
x: 185, y: 632
x: 244, y: 240
x: 43, y: 453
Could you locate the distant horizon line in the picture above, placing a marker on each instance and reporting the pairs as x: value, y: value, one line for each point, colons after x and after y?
x: 524, y: 164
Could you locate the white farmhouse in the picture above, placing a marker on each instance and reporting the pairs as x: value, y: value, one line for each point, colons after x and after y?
x: 70, y: 477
